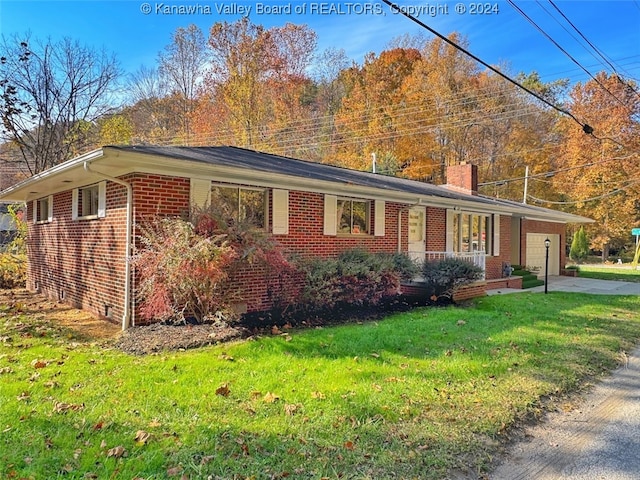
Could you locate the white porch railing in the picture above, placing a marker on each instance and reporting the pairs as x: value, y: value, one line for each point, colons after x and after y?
x: 475, y: 258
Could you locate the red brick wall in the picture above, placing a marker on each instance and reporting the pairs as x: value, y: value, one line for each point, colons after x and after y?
x: 306, y: 229
x: 436, y: 229
x: 494, y: 264
x: 84, y: 260
x: 81, y: 262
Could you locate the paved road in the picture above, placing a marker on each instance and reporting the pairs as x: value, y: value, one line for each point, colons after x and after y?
x: 600, y: 438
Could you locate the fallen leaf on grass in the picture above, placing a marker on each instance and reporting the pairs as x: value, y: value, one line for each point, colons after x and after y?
x: 290, y: 409
x: 142, y: 437
x: 117, y: 452
x: 4, y: 370
x: 39, y: 363
x: 23, y: 396
x: 223, y: 390
x: 349, y: 445
x: 174, y: 471
x: 270, y: 397
x: 61, y: 407
x: 318, y: 395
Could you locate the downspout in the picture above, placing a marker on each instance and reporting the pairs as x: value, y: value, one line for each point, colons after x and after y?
x: 126, y: 318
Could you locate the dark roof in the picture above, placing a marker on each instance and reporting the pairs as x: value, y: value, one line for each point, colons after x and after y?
x: 264, y: 162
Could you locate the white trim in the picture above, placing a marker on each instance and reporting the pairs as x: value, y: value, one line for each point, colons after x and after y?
x: 74, y: 204
x: 330, y: 215
x: 379, y: 207
x: 50, y: 208
x: 496, y: 234
x: 200, y: 192
x: 280, y: 212
x: 102, y: 199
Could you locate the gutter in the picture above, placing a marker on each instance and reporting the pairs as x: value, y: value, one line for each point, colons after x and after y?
x: 126, y: 318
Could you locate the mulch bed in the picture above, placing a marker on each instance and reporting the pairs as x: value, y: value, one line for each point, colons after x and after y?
x: 144, y: 340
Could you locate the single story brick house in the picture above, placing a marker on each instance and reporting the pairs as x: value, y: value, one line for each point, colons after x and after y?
x: 83, y: 216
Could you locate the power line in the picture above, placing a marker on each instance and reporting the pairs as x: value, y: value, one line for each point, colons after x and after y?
x: 530, y: 20
x: 592, y: 199
x: 585, y: 127
x: 554, y: 172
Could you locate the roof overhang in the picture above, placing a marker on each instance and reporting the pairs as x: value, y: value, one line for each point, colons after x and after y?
x: 116, y: 162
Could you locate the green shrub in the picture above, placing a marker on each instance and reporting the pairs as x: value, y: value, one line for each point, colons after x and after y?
x: 443, y: 278
x: 579, y: 246
x: 13, y: 270
x: 355, y: 277
x: 13, y: 260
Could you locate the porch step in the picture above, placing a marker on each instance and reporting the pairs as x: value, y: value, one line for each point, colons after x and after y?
x: 529, y: 280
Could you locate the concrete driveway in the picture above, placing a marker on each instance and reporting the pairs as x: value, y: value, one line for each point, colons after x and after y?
x: 599, y: 437
x: 581, y: 285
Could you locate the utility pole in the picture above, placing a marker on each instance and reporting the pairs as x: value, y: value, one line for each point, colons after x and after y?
x: 373, y: 162
x: 526, y: 184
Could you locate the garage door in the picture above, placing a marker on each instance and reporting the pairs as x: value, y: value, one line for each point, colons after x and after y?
x: 536, y: 252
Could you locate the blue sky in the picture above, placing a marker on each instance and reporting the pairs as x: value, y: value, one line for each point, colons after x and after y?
x: 502, y: 36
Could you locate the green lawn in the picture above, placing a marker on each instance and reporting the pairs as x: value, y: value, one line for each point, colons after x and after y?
x: 610, y: 272
x: 411, y: 396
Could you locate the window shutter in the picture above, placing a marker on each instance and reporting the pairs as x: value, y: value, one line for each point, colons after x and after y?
x: 330, y: 214
x: 200, y: 193
x: 102, y: 199
x: 50, y: 206
x: 449, y: 247
x: 74, y: 204
x: 280, y: 212
x: 379, y: 223
x: 496, y: 235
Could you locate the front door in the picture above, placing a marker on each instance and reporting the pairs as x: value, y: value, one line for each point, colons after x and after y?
x: 417, y: 233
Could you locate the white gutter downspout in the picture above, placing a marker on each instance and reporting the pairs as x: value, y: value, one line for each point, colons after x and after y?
x: 126, y: 318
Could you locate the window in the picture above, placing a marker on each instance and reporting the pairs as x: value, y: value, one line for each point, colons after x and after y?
x: 88, y: 197
x: 471, y: 233
x: 43, y: 209
x: 89, y: 202
x: 240, y: 205
x: 353, y: 216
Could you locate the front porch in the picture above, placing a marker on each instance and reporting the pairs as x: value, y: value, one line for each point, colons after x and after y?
x: 478, y: 288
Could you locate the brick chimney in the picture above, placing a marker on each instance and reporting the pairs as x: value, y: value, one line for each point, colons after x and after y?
x: 463, y: 177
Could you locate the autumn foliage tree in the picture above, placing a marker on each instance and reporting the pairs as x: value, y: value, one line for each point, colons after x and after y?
x: 598, y: 173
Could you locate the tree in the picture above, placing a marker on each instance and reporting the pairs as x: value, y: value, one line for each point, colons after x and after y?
x: 370, y: 117
x: 181, y: 66
x: 257, y: 83
x: 598, y: 173
x: 579, y: 246
x: 50, y: 93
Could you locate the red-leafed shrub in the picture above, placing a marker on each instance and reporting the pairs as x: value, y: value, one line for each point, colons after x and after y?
x: 190, y: 269
x: 182, y: 274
